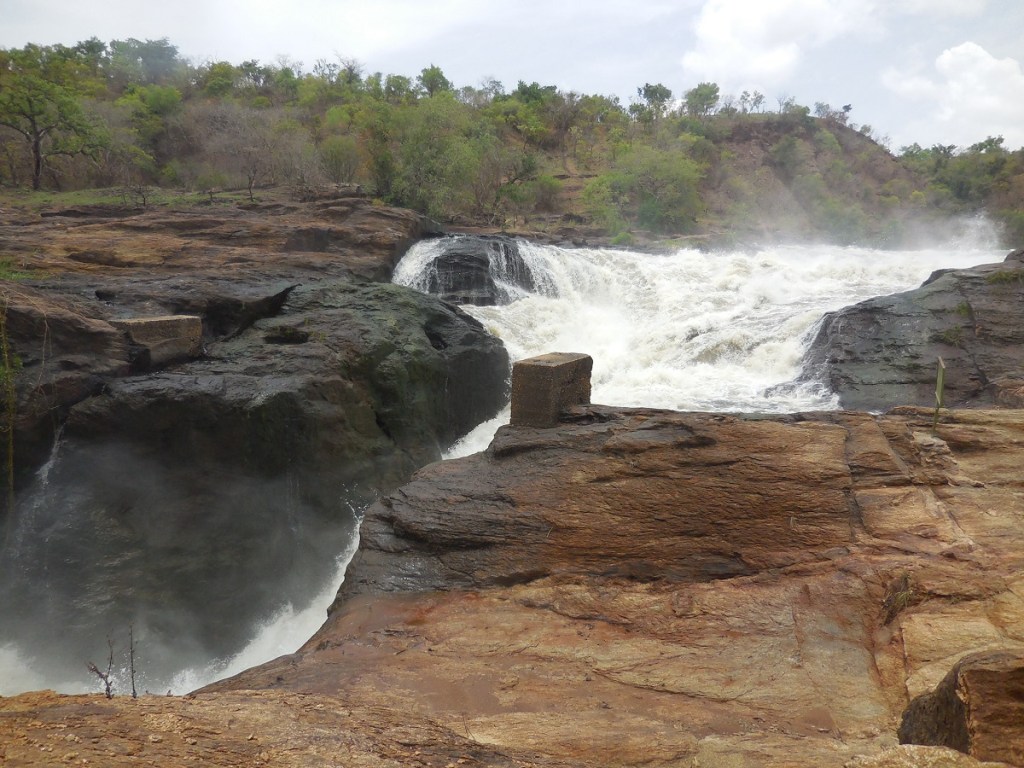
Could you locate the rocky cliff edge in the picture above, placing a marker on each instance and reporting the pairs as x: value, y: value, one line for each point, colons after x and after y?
x: 632, y: 587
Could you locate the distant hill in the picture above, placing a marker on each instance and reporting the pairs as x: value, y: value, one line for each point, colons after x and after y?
x: 132, y: 116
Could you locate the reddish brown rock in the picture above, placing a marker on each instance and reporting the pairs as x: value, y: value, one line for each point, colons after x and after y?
x: 977, y: 709
x: 552, y: 602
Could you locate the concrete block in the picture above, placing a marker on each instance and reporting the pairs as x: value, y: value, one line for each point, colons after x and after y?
x: 543, y: 386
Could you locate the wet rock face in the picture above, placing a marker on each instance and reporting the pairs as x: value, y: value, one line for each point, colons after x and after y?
x: 884, y: 352
x: 555, y: 491
x: 479, y: 270
x: 202, y: 494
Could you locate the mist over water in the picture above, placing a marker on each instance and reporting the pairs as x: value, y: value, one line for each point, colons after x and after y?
x: 212, y: 573
x: 693, y: 330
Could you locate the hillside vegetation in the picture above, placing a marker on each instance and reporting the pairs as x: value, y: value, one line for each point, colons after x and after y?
x: 133, y: 117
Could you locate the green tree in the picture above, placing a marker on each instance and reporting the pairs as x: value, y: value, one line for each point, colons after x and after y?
x: 657, y: 189
x: 144, y: 62
x: 432, y: 81
x: 340, y: 158
x: 398, y: 89
x: 702, y: 100
x: 437, y: 158
x: 655, y: 101
x: 218, y: 79
x: 153, y: 109
x: 39, y: 101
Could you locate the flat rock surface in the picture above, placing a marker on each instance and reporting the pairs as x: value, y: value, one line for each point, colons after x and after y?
x: 579, y: 614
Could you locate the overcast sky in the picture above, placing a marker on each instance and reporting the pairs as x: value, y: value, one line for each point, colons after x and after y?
x: 925, y: 71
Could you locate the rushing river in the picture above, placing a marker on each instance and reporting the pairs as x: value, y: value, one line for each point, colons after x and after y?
x: 691, y: 330
x: 688, y: 330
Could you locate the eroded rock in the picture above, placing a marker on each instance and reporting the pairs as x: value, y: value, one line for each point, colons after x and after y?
x: 883, y: 352
x: 196, y: 497
x: 977, y: 709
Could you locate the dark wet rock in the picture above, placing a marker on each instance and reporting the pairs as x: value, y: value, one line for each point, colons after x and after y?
x: 884, y: 352
x: 198, y: 496
x: 480, y: 270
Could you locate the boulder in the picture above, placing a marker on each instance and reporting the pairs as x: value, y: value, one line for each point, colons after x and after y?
x: 196, y: 496
x: 544, y: 386
x: 977, y: 709
x: 883, y: 352
x: 166, y: 339
x: 480, y: 270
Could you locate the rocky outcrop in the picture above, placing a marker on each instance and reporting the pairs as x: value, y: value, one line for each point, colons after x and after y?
x: 632, y: 587
x: 196, y: 496
x: 478, y: 269
x: 641, y: 587
x: 883, y: 352
x: 977, y: 709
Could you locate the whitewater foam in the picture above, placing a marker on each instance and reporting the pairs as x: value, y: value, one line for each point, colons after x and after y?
x: 691, y: 330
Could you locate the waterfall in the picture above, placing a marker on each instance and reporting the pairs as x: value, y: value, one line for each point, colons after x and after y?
x: 690, y: 330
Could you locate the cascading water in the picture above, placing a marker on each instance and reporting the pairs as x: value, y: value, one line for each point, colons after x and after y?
x: 209, y: 585
x: 721, y: 331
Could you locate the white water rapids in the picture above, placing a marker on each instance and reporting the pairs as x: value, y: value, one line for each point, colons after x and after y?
x: 692, y: 330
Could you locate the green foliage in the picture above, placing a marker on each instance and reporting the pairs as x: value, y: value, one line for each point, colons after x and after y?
x: 436, y: 156
x: 655, y: 101
x: 655, y: 189
x: 1006, y: 277
x: 702, y: 100
x: 1013, y: 226
x: 432, y: 81
x: 134, y: 115
x: 340, y: 158
x: 954, y: 336
x: 545, y: 193
x: 40, y: 92
x: 787, y: 157
x: 9, y: 271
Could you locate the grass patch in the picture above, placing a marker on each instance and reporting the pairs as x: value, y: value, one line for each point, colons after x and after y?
x: 1006, y: 276
x: 11, y: 271
x: 953, y: 336
x: 119, y: 197
x: 899, y: 595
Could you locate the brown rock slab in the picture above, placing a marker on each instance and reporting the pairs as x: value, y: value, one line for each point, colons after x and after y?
x: 977, y: 709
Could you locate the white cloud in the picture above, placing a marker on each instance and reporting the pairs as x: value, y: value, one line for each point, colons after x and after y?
x: 971, y: 96
x: 740, y: 42
x: 941, y: 7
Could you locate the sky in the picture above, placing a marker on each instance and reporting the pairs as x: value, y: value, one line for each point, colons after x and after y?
x: 924, y: 71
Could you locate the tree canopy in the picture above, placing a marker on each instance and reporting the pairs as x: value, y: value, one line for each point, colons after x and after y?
x: 135, y: 113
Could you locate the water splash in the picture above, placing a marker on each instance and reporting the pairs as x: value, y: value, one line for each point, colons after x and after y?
x: 281, y: 633
x: 693, y: 330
